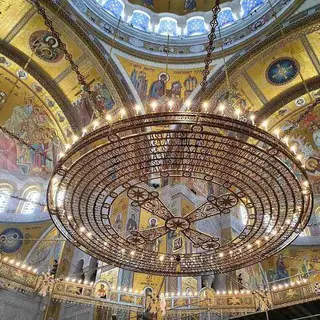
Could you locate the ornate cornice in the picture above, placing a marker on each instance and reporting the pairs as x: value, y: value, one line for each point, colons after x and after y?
x: 153, y: 49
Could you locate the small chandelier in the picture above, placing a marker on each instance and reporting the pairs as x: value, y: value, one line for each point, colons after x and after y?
x: 255, y: 168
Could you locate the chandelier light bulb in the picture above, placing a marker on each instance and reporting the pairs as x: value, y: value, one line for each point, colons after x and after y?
x: 170, y: 104
x: 154, y: 105
x: 221, y: 107
x: 205, y: 106
x: 277, y: 132
x: 237, y: 112
x: 137, y: 108
x: 75, y: 138
x: 67, y: 146
x: 265, y: 125
x: 95, y: 124
x: 293, y: 149
x: 252, y: 118
x: 188, y: 105
x: 108, y: 118
x: 84, y: 131
x: 123, y: 112
x: 286, y: 140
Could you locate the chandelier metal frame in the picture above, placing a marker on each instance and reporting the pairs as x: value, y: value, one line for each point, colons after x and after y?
x: 256, y: 168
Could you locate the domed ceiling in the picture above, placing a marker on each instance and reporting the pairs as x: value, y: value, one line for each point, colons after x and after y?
x: 176, y: 6
x: 145, y: 25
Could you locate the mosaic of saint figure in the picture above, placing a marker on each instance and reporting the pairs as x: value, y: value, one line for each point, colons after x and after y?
x: 93, y: 106
x: 118, y: 225
x: 31, y: 123
x: 190, y: 5
x: 158, y: 88
x: 190, y: 83
x: 140, y: 82
x: 132, y: 223
x: 102, y: 292
x: 45, y: 46
x: 234, y: 99
x: 282, y: 272
x: 316, y: 134
x: 148, y: 3
x: 8, y: 154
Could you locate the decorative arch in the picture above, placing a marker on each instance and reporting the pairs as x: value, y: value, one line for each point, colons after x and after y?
x: 248, y: 6
x: 168, y: 26
x: 140, y: 20
x: 6, y: 190
x: 33, y: 194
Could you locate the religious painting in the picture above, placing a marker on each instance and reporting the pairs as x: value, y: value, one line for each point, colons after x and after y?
x: 177, y: 244
x: 132, y: 223
x: 118, y: 225
x: 304, y: 131
x: 45, y: 46
x: 282, y: 71
x: 190, y: 5
x: 234, y: 99
x: 93, y: 106
x: 25, y: 113
x: 102, y: 290
x: 156, y: 84
x: 11, y: 240
x: 44, y: 252
x: 110, y: 276
x: 148, y: 3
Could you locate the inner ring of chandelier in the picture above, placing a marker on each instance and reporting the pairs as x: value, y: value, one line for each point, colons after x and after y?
x: 177, y: 223
x: 257, y: 168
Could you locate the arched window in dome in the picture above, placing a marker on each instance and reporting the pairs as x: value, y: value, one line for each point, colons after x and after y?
x: 5, y: 193
x: 167, y: 26
x: 250, y: 5
x: 196, y: 26
x: 33, y: 195
x: 140, y: 20
x: 225, y: 18
x: 114, y: 7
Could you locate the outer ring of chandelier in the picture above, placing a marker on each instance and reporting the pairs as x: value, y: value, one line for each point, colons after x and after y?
x: 254, y: 165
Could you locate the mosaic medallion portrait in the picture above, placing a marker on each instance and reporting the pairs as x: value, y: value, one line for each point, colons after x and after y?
x: 45, y: 46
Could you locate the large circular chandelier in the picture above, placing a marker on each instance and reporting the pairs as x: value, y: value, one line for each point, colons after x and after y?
x: 253, y: 168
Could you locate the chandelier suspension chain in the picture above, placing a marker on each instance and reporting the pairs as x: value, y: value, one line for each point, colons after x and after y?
x: 210, y: 48
x: 224, y: 61
x: 24, y: 199
x: 74, y: 67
